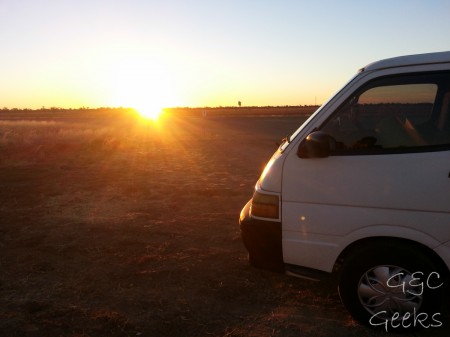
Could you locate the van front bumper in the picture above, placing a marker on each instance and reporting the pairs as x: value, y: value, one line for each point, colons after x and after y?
x: 262, y: 239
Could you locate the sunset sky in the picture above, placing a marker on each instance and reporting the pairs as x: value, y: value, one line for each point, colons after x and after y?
x: 155, y: 53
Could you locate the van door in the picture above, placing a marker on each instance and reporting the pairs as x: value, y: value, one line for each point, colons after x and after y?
x: 386, y: 172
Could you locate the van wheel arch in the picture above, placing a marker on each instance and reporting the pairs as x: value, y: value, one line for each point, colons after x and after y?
x: 380, y: 242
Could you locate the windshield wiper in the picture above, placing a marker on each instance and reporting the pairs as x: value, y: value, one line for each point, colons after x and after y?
x: 284, y: 140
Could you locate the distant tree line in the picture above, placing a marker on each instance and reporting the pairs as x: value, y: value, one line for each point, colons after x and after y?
x: 58, y: 109
x: 176, y: 111
x: 247, y: 110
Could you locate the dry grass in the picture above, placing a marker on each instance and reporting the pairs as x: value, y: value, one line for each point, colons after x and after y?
x: 123, y: 228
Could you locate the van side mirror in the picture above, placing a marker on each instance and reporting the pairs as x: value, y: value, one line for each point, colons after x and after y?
x: 317, y: 144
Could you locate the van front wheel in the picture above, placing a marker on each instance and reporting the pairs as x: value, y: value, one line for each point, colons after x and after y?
x: 392, y: 287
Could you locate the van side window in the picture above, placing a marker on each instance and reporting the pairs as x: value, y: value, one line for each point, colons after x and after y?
x: 393, y: 115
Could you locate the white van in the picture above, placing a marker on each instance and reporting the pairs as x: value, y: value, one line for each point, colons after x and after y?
x: 362, y: 189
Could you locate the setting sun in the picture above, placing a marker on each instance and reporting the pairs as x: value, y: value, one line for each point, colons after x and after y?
x: 150, y: 112
x: 142, y: 83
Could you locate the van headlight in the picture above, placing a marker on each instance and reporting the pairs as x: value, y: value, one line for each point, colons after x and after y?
x: 265, y: 205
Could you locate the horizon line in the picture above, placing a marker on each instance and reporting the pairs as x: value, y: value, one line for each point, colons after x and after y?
x: 43, y: 108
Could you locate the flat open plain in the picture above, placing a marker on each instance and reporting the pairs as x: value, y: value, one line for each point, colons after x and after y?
x: 129, y: 228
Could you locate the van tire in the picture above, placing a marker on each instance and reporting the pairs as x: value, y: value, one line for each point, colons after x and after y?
x: 367, y: 284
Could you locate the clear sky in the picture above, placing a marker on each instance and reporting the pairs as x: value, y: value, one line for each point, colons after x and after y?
x: 134, y: 53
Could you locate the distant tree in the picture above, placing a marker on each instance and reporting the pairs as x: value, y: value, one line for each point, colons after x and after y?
x: 239, y: 103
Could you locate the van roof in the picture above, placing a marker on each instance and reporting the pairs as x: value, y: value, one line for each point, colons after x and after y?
x: 409, y: 60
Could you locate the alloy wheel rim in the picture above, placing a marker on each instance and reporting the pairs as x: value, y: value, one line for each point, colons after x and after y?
x: 386, y: 290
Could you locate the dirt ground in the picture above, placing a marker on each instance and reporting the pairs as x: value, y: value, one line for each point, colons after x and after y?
x: 131, y: 230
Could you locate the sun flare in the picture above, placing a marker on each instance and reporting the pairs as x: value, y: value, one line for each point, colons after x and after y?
x: 143, y: 84
x: 150, y: 112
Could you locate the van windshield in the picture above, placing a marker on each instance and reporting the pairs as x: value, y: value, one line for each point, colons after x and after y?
x: 284, y: 145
